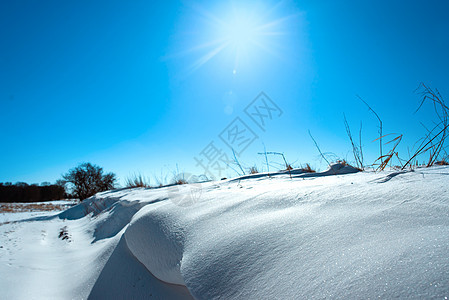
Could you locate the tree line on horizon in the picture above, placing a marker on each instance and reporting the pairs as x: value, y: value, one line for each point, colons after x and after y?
x: 81, y: 182
x: 24, y: 192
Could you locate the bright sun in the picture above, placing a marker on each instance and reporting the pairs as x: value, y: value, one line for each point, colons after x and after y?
x: 242, y: 34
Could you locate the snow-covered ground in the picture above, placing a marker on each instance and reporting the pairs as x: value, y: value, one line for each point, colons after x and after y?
x: 325, y: 235
x: 10, y: 212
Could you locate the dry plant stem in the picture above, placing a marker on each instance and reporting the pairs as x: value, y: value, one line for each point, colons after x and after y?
x: 308, y: 169
x: 253, y: 170
x: 397, y: 155
x: 319, y: 150
x: 360, y: 146
x: 442, y: 112
x: 266, y: 160
x: 390, y: 154
x: 161, y: 180
x: 285, y: 161
x: 177, y: 179
x: 433, y: 156
x: 423, y: 147
x: 355, y: 148
x: 428, y: 93
x: 137, y: 181
x: 237, y: 162
x: 429, y: 133
x: 287, y: 166
x: 232, y: 169
x: 283, y: 157
x: 380, y: 125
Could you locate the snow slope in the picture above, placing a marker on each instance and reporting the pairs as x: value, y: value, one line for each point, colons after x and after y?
x: 326, y: 235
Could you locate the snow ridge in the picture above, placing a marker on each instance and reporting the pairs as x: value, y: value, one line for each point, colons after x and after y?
x: 335, y: 234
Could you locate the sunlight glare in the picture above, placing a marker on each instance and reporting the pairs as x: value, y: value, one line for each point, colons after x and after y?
x: 241, y: 36
x: 240, y: 32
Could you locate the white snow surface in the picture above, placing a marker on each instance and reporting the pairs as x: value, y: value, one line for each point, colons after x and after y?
x: 335, y: 234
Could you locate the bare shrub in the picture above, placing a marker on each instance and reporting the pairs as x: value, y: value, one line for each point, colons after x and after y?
x: 88, y: 179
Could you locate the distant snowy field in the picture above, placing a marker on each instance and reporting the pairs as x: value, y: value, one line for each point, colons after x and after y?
x: 326, y: 235
x: 10, y: 212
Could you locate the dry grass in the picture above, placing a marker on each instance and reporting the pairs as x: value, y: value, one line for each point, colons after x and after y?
x: 31, y: 207
x: 343, y: 162
x: 179, y: 178
x: 137, y: 181
x: 181, y: 181
x: 380, y: 129
x: 433, y: 143
x: 307, y: 168
x: 253, y: 170
x: 319, y: 150
x: 64, y: 234
x: 357, y: 150
x: 288, y: 167
x: 387, y: 158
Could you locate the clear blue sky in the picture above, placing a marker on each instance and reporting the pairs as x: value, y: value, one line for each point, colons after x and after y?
x: 145, y: 86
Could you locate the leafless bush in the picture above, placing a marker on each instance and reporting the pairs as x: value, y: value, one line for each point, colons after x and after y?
x: 88, y: 179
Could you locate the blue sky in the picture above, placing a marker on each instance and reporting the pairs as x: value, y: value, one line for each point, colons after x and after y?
x: 145, y: 87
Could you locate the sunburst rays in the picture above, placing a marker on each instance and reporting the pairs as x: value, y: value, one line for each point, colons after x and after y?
x: 242, y: 34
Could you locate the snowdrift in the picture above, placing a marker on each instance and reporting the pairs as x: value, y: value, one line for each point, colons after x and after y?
x: 335, y: 234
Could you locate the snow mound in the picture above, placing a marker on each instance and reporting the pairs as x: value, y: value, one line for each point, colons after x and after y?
x: 158, y: 244
x: 337, y: 237
x: 124, y: 277
x: 338, y: 168
x: 355, y: 235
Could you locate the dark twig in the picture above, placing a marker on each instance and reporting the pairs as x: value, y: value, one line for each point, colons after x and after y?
x: 380, y: 125
x: 237, y: 162
x: 355, y: 149
x: 319, y: 150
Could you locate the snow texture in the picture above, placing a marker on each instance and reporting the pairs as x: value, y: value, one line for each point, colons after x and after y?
x: 335, y: 234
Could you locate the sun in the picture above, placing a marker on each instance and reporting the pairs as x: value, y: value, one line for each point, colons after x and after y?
x: 242, y: 34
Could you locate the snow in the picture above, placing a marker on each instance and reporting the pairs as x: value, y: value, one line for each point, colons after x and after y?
x: 21, y: 211
x: 334, y: 234
x: 12, y: 217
